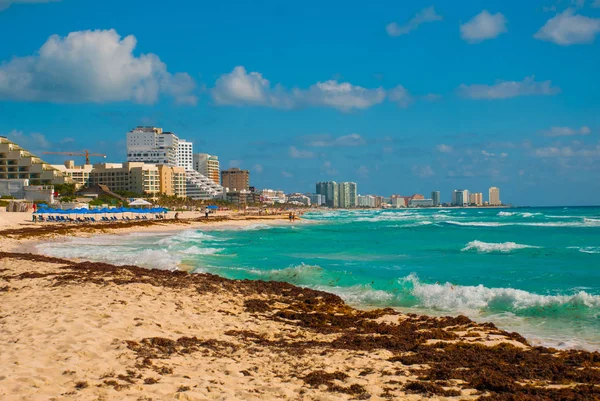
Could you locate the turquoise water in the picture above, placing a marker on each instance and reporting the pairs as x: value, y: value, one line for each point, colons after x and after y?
x: 533, y: 270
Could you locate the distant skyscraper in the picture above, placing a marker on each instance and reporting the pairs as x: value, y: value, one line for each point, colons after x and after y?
x: 347, y: 195
x: 329, y: 189
x: 460, y: 197
x: 494, y: 196
x: 207, y: 165
x: 435, y: 196
x: 185, y: 155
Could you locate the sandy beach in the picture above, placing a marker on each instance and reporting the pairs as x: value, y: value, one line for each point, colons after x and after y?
x: 74, y: 330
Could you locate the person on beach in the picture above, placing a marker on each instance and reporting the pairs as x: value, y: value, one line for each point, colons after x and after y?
x: 206, y: 213
x: 290, y: 216
x: 177, y: 216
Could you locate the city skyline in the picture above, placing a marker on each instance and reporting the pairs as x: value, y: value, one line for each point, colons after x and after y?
x: 387, y: 104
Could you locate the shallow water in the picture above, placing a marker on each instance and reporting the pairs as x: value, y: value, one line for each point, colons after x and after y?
x: 532, y: 270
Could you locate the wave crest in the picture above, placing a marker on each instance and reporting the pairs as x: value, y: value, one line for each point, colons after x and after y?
x: 481, y: 246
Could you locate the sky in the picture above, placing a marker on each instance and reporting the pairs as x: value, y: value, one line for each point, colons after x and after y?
x: 399, y: 96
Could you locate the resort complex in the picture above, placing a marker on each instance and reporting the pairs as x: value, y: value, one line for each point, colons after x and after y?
x: 160, y: 163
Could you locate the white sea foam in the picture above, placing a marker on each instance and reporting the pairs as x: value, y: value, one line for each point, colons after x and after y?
x: 119, y: 255
x: 194, y: 250
x: 459, y: 298
x: 359, y: 294
x: 587, y: 249
x: 256, y: 227
x: 476, y: 223
x: 506, y: 213
x: 481, y: 246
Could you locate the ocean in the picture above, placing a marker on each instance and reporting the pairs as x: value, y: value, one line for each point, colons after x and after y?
x: 531, y: 270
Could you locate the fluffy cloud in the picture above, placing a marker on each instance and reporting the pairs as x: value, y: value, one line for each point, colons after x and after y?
x: 296, y: 153
x: 425, y: 15
x: 482, y: 27
x: 92, y: 66
x: 509, y: 89
x: 4, y: 4
x: 592, y: 152
x: 240, y: 88
x: 442, y: 148
x: 400, y: 95
x: 243, y: 88
x: 258, y: 168
x: 321, y: 141
x: 568, y: 28
x: 567, y: 131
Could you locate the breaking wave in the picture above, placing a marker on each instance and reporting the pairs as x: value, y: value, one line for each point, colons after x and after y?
x: 481, y: 246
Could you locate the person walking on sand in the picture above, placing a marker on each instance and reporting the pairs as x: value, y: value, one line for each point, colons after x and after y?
x: 291, y: 216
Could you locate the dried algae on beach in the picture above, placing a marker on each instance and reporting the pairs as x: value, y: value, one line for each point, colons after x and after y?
x: 72, y: 330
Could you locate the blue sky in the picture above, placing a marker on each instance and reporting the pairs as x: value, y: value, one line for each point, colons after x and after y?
x: 401, y: 97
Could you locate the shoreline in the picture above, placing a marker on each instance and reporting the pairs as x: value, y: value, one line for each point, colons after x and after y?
x: 84, y: 330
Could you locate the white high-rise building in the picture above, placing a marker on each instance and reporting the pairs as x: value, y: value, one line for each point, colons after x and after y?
x: 347, y: 195
x: 494, y: 196
x: 185, y: 155
x: 152, y: 145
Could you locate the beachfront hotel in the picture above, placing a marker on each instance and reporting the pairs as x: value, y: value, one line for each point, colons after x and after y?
x: 207, y: 165
x: 235, y: 179
x: 494, y: 196
x: 17, y: 163
x: 185, y: 154
x: 152, y: 145
x: 141, y: 178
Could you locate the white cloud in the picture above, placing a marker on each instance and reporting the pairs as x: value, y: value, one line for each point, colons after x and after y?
x: 322, y: 141
x: 578, y: 151
x: 4, y: 4
x: 339, y: 95
x: 296, y: 153
x: 442, y: 148
x: 425, y: 15
x: 567, y: 131
x: 286, y: 174
x: 482, y: 27
x: 242, y: 88
x: 400, y: 95
x: 258, y: 168
x: 487, y: 154
x: 509, y: 89
x: 92, y: 66
x: 423, y: 171
x: 568, y: 28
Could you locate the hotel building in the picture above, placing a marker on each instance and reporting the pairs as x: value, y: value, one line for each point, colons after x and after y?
x: 460, y: 197
x: 208, y: 166
x: 17, y: 163
x: 494, y: 196
x: 235, y: 179
x: 185, y: 154
x: 329, y: 190
x: 435, y: 196
x: 152, y: 145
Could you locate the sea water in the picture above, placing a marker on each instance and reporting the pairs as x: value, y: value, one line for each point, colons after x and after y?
x: 531, y: 270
